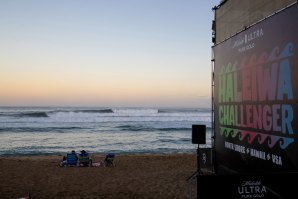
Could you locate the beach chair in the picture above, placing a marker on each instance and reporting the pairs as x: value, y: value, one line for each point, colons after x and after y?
x: 71, y: 159
x: 84, y: 159
x: 26, y: 197
x: 109, y: 160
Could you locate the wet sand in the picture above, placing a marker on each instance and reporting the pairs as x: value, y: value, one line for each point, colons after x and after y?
x: 134, y: 176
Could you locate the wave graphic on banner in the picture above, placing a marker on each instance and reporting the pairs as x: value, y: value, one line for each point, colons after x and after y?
x: 250, y: 136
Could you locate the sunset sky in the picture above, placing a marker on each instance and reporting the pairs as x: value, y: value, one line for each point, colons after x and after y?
x: 143, y: 53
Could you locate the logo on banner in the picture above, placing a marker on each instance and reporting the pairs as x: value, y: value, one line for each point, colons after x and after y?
x: 247, y: 41
x: 251, y: 189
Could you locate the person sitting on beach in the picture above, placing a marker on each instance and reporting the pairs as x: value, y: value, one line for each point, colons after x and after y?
x: 84, y: 159
x: 64, y: 159
x: 74, y: 152
x: 109, y: 160
x: 63, y: 162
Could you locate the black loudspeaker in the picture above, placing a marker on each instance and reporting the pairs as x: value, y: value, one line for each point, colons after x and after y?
x: 199, y: 134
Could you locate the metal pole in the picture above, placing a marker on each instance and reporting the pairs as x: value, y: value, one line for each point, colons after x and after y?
x: 198, y: 169
x: 198, y: 161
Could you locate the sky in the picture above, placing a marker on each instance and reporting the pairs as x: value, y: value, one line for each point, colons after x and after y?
x: 119, y: 53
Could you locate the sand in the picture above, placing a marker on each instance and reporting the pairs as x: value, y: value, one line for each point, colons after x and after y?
x: 134, y: 176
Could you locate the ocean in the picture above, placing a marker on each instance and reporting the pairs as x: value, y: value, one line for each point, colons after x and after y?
x: 56, y: 130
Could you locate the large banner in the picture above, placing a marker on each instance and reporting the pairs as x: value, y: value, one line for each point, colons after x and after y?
x: 256, y: 97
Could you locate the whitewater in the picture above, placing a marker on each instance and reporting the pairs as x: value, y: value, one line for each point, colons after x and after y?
x: 57, y: 130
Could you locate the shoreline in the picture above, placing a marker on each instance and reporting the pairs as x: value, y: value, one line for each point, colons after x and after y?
x: 167, y: 152
x: 134, y: 176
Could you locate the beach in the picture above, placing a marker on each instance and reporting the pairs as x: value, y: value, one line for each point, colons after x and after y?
x: 134, y: 176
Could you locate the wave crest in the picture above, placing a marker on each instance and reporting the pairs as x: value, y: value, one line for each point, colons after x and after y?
x: 94, y: 111
x: 33, y: 114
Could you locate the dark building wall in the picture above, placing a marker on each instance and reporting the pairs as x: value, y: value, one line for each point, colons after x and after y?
x: 232, y: 16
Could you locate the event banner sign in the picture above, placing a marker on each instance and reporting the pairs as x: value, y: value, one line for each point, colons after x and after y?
x: 262, y: 186
x: 256, y: 97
